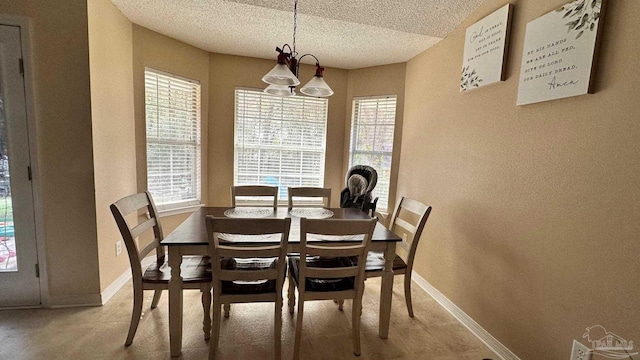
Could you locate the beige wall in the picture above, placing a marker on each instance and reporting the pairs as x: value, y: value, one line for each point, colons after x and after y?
x: 228, y: 72
x: 64, y: 141
x: 379, y: 80
x: 114, y: 151
x: 534, y: 231
x: 151, y: 49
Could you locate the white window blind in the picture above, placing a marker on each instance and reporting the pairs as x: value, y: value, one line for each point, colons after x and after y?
x: 372, y: 126
x: 173, y: 139
x: 279, y: 141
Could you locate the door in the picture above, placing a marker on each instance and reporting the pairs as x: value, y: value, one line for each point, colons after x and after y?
x: 19, y: 283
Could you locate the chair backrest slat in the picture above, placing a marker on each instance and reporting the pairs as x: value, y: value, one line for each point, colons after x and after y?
x: 324, y: 193
x: 131, y: 203
x: 255, y: 191
x: 248, y: 275
x: 331, y: 250
x: 142, y: 227
x: 148, y: 249
x: 405, y: 225
x: 414, y: 206
x: 253, y: 251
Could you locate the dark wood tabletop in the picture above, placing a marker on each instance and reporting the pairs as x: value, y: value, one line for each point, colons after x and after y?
x: 193, y: 230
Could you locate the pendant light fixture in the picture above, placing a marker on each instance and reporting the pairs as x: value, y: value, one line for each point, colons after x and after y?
x: 283, y: 78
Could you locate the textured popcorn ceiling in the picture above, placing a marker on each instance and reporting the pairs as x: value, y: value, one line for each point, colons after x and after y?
x: 343, y: 34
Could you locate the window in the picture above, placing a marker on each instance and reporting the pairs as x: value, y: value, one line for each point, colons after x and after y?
x: 372, y: 125
x: 173, y: 139
x: 279, y: 141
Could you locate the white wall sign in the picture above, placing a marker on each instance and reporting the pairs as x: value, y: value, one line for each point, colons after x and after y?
x: 559, y: 52
x: 485, y: 47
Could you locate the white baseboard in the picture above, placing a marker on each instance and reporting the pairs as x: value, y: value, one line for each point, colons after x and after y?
x: 82, y: 300
x: 113, y: 288
x: 122, y: 280
x: 492, y: 343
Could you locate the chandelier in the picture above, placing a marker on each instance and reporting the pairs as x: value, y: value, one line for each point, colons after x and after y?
x: 283, y: 78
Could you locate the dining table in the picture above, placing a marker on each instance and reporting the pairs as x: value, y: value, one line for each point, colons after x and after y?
x: 190, y: 238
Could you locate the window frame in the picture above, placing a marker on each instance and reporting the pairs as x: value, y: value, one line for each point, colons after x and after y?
x: 322, y: 151
x: 356, y: 109
x: 186, y: 204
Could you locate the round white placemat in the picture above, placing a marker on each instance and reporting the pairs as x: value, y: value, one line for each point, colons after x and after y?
x: 248, y: 212
x: 311, y: 213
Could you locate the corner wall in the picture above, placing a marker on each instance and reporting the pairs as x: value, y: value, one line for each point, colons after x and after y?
x: 534, y: 231
x: 112, y: 114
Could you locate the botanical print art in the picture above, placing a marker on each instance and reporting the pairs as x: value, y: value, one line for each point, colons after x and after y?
x: 559, y: 52
x: 484, y: 50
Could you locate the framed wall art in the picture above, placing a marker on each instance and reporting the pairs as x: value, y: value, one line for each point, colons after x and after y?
x: 559, y: 54
x: 485, y: 50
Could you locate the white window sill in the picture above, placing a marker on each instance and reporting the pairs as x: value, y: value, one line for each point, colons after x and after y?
x: 179, y: 210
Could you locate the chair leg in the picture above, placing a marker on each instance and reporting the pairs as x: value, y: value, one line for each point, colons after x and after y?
x: 277, y: 328
x: 291, y: 293
x: 156, y: 298
x: 138, y: 298
x: 356, y: 312
x: 227, y: 308
x: 296, y: 345
x: 215, y: 328
x: 407, y: 293
x: 206, y: 306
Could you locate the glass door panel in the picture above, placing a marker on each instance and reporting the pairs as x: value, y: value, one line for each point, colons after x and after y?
x: 19, y: 282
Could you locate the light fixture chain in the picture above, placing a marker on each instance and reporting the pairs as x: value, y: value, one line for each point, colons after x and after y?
x: 295, y: 25
x: 283, y: 78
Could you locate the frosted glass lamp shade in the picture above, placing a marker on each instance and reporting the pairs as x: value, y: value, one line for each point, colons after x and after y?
x: 279, y: 90
x: 281, y: 75
x: 317, y: 87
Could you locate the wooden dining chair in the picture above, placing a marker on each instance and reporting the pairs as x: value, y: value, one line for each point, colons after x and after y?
x: 246, y: 273
x: 196, y: 272
x: 408, y: 221
x: 310, y: 192
x: 332, y: 269
x: 259, y: 191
